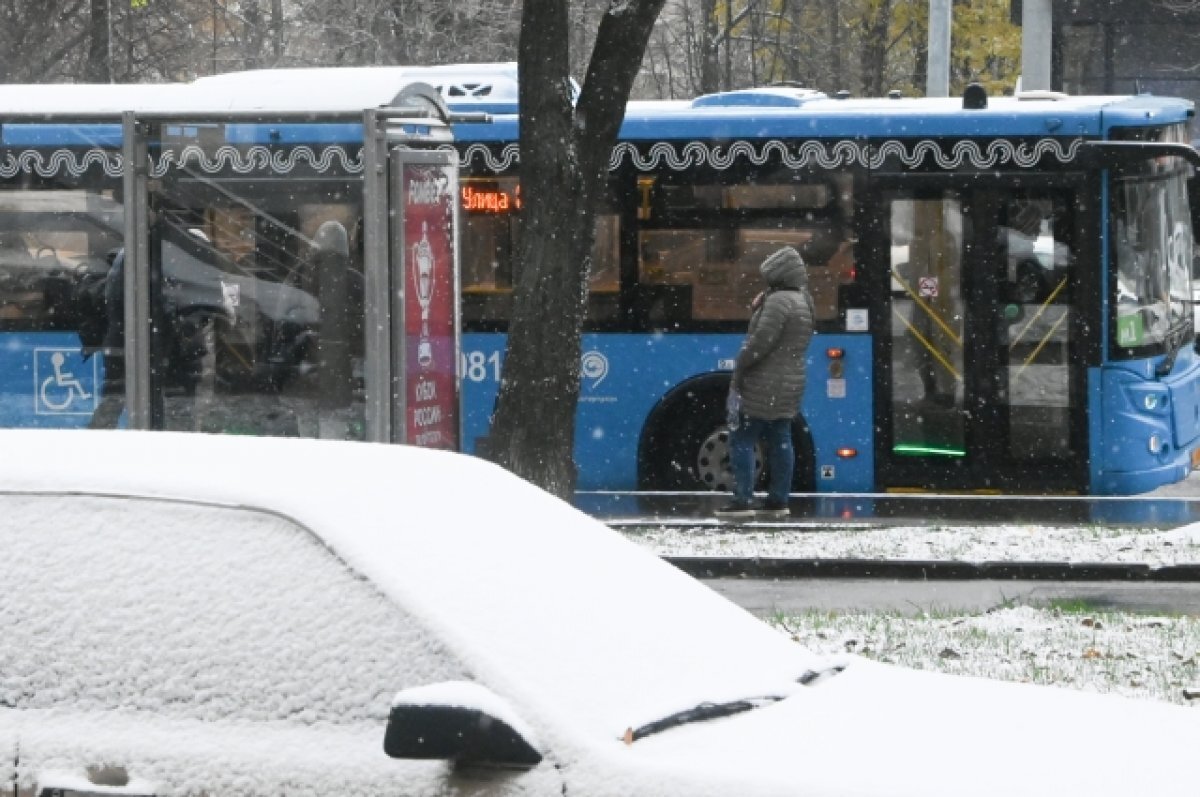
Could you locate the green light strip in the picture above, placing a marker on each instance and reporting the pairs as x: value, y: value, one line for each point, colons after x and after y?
x: 917, y: 450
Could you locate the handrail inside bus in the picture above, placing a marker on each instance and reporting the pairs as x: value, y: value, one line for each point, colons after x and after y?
x: 1117, y: 151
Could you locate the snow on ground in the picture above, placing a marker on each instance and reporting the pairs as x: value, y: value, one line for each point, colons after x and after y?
x: 1147, y: 656
x: 941, y: 542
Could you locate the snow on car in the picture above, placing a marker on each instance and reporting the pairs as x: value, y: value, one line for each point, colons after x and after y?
x: 194, y: 614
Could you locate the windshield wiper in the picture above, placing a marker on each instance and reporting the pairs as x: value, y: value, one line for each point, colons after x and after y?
x: 712, y: 711
x: 704, y: 711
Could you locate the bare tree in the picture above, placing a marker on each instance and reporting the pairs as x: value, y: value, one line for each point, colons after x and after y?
x: 565, y: 149
x: 98, y: 68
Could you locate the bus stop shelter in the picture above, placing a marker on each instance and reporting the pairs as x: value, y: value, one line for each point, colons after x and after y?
x: 286, y: 265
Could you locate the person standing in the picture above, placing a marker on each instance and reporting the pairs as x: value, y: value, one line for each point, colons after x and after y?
x: 768, y: 382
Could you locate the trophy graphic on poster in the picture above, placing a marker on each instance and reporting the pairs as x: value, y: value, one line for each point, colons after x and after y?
x: 422, y: 268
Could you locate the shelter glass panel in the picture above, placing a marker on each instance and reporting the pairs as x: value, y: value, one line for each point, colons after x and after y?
x: 256, y: 263
x: 61, y: 223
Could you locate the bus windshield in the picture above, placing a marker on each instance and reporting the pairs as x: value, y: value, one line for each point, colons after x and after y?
x: 1153, y: 246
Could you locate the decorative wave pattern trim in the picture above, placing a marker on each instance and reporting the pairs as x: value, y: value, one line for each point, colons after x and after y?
x: 962, y: 154
x: 60, y: 162
x: 826, y: 155
x: 240, y: 160
x: 248, y: 160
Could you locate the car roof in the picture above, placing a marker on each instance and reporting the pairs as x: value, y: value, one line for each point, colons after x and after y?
x: 534, y: 596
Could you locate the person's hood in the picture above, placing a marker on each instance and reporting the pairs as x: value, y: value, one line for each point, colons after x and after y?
x: 785, y: 269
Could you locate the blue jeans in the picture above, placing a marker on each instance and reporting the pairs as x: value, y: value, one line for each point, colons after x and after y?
x: 781, y: 459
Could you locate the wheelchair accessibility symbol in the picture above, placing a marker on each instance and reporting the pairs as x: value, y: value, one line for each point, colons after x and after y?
x: 59, y: 389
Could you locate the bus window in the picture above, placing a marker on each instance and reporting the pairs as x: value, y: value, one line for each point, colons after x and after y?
x: 708, y: 275
x: 1153, y: 246
x: 490, y: 218
x: 700, y: 246
x: 1035, y: 238
x: 604, y: 281
x: 927, y: 326
x: 488, y: 244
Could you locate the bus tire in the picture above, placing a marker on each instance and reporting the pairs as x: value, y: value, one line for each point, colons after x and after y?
x: 684, y: 444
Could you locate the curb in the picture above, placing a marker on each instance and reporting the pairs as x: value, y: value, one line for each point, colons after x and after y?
x: 930, y: 570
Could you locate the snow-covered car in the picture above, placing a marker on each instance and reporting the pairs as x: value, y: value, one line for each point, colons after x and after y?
x: 207, y: 615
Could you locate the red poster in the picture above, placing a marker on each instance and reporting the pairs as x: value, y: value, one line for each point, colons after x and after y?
x: 430, y: 341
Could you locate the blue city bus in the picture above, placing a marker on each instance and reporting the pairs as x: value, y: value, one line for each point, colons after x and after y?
x: 1002, y: 285
x: 1002, y: 288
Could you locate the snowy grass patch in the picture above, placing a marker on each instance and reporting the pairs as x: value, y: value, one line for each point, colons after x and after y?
x: 1070, y: 645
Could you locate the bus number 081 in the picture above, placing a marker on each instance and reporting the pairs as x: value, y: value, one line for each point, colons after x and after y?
x: 480, y: 367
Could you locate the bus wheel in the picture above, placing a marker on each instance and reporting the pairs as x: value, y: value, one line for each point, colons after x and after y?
x: 684, y: 431
x: 685, y: 446
x: 713, y: 468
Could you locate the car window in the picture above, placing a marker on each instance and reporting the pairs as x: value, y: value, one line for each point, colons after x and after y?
x: 198, y: 612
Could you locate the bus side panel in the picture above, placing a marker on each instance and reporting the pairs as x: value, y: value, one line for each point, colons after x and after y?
x: 1138, y: 442
x: 623, y: 378
x: 45, y: 382
x: 839, y: 410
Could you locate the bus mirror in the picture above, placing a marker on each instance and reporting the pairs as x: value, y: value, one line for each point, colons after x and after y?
x: 975, y: 97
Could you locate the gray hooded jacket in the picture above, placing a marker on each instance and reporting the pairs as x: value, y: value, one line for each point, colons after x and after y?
x: 769, y: 370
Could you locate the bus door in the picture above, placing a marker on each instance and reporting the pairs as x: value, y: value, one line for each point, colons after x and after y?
x: 976, y: 350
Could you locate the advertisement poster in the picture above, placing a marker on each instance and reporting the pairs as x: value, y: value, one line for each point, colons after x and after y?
x: 430, y: 362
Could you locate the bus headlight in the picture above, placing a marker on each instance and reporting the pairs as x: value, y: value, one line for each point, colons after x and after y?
x: 1152, y: 401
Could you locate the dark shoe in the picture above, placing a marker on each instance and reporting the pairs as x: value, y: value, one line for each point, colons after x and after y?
x: 773, y: 509
x: 736, y: 510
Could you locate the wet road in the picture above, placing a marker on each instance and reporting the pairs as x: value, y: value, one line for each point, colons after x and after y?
x: 909, y: 597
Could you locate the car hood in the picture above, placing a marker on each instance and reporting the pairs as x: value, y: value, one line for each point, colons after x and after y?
x: 877, y: 729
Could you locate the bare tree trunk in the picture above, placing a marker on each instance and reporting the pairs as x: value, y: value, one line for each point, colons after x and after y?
x: 564, y: 153
x: 99, y: 58
x: 254, y: 34
x: 875, y: 45
x: 277, y: 23
x: 710, y: 69
x: 534, y: 427
x: 836, y: 67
